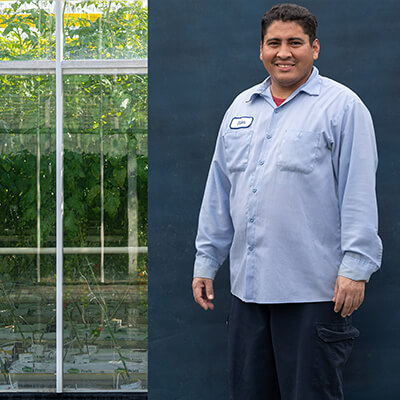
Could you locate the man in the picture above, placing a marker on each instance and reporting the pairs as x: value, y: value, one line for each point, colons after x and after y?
x: 291, y: 197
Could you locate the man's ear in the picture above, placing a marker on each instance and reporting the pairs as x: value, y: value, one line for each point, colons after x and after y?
x: 315, y: 49
x: 261, y: 47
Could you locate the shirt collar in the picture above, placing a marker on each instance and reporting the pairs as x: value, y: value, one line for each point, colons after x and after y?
x: 312, y: 86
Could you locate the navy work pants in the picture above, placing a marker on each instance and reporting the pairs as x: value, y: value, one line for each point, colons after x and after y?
x: 287, y: 351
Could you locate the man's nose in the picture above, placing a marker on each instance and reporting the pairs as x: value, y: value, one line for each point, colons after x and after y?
x: 284, y: 51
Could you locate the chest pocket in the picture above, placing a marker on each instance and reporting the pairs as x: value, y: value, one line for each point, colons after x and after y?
x: 299, y: 151
x: 237, y: 148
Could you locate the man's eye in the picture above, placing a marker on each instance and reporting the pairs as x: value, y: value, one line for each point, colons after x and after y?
x: 273, y: 44
x: 295, y: 43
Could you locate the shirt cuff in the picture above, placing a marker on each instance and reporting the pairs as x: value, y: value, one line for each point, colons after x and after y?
x: 356, y: 267
x: 205, y: 267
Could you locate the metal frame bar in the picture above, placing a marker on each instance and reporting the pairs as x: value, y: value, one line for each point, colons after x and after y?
x: 73, y: 250
x: 105, y: 66
x: 59, y: 197
x: 36, y: 67
x: 74, y: 67
x: 68, y: 395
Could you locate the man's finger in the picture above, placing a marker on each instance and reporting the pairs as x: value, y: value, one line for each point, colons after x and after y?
x: 197, y: 294
x: 360, y: 300
x: 340, y: 298
x: 197, y: 291
x: 356, y: 301
x: 348, y: 306
x: 209, y: 290
x: 335, y: 291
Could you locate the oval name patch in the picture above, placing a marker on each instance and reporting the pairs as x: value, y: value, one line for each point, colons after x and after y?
x: 241, y: 122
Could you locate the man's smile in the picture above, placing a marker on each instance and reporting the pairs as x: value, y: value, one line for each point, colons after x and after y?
x: 284, y: 65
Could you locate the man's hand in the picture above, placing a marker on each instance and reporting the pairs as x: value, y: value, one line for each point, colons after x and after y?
x: 203, y: 292
x: 348, y: 294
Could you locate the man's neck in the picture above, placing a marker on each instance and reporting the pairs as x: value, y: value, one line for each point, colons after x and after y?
x: 281, y: 93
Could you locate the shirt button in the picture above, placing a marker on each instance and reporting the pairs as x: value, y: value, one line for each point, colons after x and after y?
x: 251, y: 248
x: 276, y: 110
x: 261, y: 162
x: 251, y: 219
x: 254, y: 190
x: 269, y: 136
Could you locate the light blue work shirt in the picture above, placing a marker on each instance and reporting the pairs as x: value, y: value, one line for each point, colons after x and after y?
x: 290, y: 194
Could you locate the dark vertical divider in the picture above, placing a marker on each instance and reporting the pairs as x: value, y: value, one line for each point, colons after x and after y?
x: 201, y: 55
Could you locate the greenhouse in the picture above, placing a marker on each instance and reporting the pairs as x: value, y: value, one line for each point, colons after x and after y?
x: 73, y: 196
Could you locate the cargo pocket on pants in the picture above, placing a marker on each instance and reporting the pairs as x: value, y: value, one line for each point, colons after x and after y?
x: 334, y: 344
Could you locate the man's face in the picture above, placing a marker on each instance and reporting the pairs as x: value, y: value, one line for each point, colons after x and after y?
x: 287, y: 56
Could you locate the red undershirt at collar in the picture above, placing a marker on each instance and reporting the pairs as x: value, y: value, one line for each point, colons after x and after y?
x: 278, y: 101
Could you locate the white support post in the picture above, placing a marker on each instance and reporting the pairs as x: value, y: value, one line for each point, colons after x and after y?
x: 133, y: 208
x: 60, y: 197
x: 101, y: 190
x: 38, y: 193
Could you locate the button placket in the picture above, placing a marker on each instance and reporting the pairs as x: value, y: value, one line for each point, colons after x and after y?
x: 252, y: 211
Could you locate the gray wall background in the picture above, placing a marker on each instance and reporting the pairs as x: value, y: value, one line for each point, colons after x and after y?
x: 202, y: 54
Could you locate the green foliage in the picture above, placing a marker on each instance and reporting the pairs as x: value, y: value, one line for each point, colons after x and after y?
x: 28, y: 32
x: 116, y: 29
x: 105, y: 175
x: 102, y: 115
x: 120, y: 31
x: 111, y: 117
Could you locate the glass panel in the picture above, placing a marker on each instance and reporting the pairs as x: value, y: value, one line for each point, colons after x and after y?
x: 105, y: 30
x: 105, y: 232
x: 27, y: 232
x: 27, y: 30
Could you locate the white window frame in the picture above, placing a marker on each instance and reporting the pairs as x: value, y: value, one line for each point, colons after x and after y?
x: 59, y: 68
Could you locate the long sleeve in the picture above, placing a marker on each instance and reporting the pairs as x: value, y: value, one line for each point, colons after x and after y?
x: 215, y: 229
x: 357, y: 160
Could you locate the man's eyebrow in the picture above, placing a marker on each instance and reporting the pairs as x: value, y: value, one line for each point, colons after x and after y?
x: 296, y: 38
x: 291, y: 39
x: 273, y: 40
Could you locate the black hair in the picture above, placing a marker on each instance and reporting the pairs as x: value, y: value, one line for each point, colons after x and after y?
x: 290, y: 12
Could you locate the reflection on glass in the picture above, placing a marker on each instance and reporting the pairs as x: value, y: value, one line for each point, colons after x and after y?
x: 27, y: 233
x: 105, y: 30
x: 105, y: 233
x: 27, y: 30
